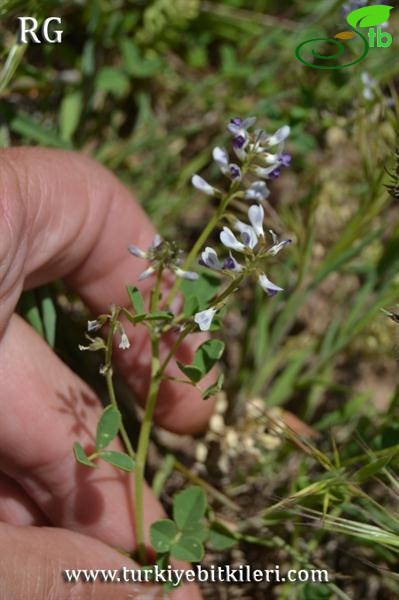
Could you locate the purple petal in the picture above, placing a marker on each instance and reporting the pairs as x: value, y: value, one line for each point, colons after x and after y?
x: 235, y: 171
x: 230, y: 264
x: 275, y: 174
x: 239, y: 141
x: 285, y: 159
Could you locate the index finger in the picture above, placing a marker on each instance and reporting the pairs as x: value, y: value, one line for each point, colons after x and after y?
x: 66, y: 216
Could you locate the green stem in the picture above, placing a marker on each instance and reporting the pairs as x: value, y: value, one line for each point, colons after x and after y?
x: 229, y: 290
x: 141, y: 455
x: 112, y: 397
x: 145, y: 430
x: 158, y: 370
x: 191, y: 327
x: 195, y: 250
x: 109, y: 378
x: 204, y: 236
x: 174, y: 347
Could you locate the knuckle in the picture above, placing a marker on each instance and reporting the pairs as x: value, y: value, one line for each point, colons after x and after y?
x: 12, y: 226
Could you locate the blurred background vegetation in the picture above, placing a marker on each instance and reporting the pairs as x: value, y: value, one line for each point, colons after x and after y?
x: 306, y: 445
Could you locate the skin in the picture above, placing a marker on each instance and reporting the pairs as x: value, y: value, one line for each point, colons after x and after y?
x: 64, y: 216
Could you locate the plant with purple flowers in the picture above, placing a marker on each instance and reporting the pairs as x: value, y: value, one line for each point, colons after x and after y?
x: 254, y: 250
x: 244, y: 253
x: 261, y: 156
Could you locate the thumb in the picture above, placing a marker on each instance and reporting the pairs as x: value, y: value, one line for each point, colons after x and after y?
x: 36, y: 559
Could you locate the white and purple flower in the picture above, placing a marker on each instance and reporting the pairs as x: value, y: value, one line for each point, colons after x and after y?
x: 250, y: 236
x: 209, y: 258
x: 239, y: 128
x: 247, y: 234
x: 221, y: 158
x: 263, y: 157
x: 258, y: 191
x: 270, y: 288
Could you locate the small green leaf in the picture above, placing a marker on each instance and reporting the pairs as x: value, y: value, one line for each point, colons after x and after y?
x: 162, y: 535
x: 135, y: 64
x: 107, y: 427
x: 187, y: 548
x: 214, y: 388
x: 81, y: 456
x: 205, y: 358
x: 136, y: 299
x: 30, y: 311
x: 207, y: 355
x: 118, y: 459
x: 191, y: 306
x: 49, y: 315
x: 189, y: 507
x: 162, y: 475
x: 389, y: 436
x: 199, y: 531
x: 11, y: 63
x: 4, y: 136
x: 88, y: 60
x: 158, y: 316
x: 198, y: 293
x: 369, y: 16
x: 139, y: 318
x: 220, y: 538
x: 372, y: 469
x: 193, y: 373
x: 70, y: 112
x: 112, y: 80
x: 35, y: 131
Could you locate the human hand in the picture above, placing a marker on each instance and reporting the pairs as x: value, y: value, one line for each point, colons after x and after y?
x: 62, y: 215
